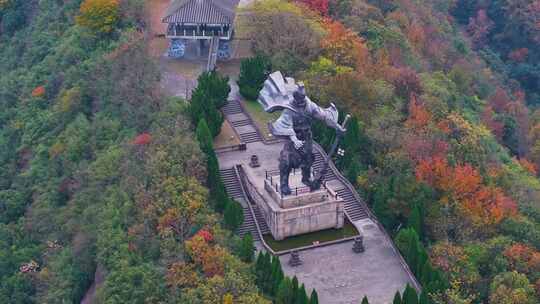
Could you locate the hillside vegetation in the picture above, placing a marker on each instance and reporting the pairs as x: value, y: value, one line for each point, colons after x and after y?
x: 98, y: 170
x: 443, y: 142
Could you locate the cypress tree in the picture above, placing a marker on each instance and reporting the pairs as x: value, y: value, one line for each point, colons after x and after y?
x: 410, y: 296
x: 234, y: 214
x: 421, y: 259
x: 314, y: 299
x: 295, y: 289
x: 415, y: 221
x: 277, y: 275
x: 247, y: 248
x: 365, y: 300
x: 259, y: 270
x: 423, y: 298
x: 253, y: 73
x: 266, y: 273
x: 302, y: 297
x: 426, y: 275
x: 397, y: 298
x: 284, y: 294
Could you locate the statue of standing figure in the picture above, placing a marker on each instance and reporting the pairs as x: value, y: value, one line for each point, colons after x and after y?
x: 294, y: 125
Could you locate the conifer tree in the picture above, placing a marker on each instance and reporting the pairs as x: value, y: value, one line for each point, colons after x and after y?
x: 234, y: 214
x: 397, y: 298
x: 410, y: 296
x: 247, y: 248
x: 415, y: 221
x: 284, y: 294
x: 259, y: 268
x: 302, y: 297
x: 277, y: 275
x: 314, y: 299
x: 267, y: 273
x: 365, y: 300
x: 253, y: 73
x: 423, y: 298
x: 295, y: 289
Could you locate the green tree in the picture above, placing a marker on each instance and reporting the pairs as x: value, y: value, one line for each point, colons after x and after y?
x: 218, y: 194
x: 302, y: 297
x: 247, y: 248
x: 100, y: 16
x: 295, y: 289
x: 415, y: 221
x: 409, y: 295
x: 314, y: 298
x: 285, y: 294
x: 365, y: 300
x: 511, y: 288
x: 276, y: 275
x: 424, y: 298
x: 397, y: 298
x: 234, y: 215
x: 253, y: 73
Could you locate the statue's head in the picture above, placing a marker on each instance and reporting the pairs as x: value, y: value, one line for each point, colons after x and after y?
x: 299, y: 98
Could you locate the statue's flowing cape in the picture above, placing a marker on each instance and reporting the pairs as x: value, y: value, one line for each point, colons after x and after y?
x: 277, y: 95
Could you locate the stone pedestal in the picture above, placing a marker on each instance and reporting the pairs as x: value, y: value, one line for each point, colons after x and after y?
x: 301, y: 212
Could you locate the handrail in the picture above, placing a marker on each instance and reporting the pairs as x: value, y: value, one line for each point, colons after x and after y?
x: 351, y: 188
x: 241, y: 175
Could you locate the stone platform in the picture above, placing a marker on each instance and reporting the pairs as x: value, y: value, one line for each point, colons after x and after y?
x: 302, y: 211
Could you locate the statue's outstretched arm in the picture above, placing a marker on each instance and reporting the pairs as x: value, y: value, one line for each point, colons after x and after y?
x: 328, y: 115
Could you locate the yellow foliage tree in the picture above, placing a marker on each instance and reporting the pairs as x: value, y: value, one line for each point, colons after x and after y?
x: 100, y: 16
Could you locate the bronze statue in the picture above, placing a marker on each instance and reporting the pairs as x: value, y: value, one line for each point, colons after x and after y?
x: 294, y: 125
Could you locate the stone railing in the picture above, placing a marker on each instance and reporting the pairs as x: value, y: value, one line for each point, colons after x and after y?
x: 351, y: 188
x: 238, y: 147
x: 247, y: 190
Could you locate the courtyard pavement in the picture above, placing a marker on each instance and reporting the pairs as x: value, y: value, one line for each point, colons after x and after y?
x: 338, y: 274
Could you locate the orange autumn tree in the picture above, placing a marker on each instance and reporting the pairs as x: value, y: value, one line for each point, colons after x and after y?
x: 100, y: 16
x: 343, y: 46
x: 463, y: 185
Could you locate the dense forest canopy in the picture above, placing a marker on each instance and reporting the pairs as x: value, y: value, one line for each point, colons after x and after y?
x: 444, y: 146
x: 445, y: 141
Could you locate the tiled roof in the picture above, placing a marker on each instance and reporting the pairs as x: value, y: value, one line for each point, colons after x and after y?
x: 201, y: 11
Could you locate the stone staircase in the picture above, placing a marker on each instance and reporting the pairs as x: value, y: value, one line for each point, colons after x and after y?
x: 355, y: 209
x: 247, y: 135
x: 232, y: 107
x: 234, y: 190
x: 232, y: 183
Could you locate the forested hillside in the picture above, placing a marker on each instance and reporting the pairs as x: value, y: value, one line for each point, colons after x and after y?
x: 443, y: 144
x: 98, y: 169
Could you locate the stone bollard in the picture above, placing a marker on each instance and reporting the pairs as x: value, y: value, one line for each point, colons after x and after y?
x: 295, y: 259
x: 358, y: 246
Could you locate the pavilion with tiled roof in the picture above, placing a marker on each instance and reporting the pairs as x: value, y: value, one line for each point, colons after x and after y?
x: 200, y: 19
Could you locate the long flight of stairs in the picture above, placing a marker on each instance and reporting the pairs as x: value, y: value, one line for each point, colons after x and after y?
x: 355, y: 209
x: 233, y: 107
x: 234, y: 190
x: 232, y: 184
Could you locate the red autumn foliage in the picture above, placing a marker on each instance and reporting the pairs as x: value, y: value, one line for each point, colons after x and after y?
x: 142, y: 139
x: 499, y: 101
x: 495, y: 126
x: 420, y: 148
x: 479, y: 27
x: 483, y: 205
x: 206, y: 235
x: 407, y: 82
x: 38, y: 91
x: 519, y: 55
x: 320, y: 6
x: 344, y: 46
x: 523, y: 258
x: 419, y: 117
x: 527, y: 165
